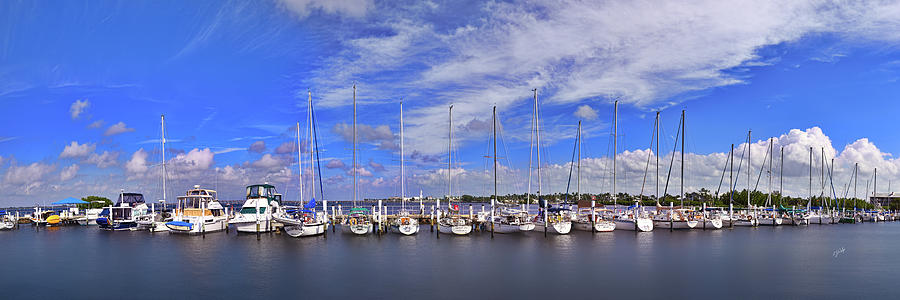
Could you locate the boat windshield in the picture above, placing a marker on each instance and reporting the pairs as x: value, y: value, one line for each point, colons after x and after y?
x: 252, y: 210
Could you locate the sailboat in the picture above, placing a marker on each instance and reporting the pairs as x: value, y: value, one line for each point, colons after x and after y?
x: 587, y: 217
x: 403, y: 224
x: 747, y: 217
x: 770, y: 217
x: 453, y: 223
x: 305, y: 221
x: 7, y: 220
x: 556, y: 218
x: 156, y: 221
x: 199, y: 210
x: 504, y: 218
x: 634, y: 218
x: 124, y: 214
x: 358, y: 221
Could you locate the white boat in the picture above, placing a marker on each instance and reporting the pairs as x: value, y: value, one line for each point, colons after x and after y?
x: 678, y: 218
x: 742, y: 219
x: 455, y: 224
x: 262, y: 202
x: 628, y: 222
x: 403, y: 224
x: 302, y: 223
x: 768, y: 219
x: 124, y: 214
x: 198, y: 212
x: 358, y: 222
x: 156, y: 220
x: 90, y: 217
x: 7, y: 221
x: 582, y: 221
x: 560, y: 221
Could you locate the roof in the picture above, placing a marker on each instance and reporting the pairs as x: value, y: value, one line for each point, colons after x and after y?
x: 262, y: 185
x: 69, y: 200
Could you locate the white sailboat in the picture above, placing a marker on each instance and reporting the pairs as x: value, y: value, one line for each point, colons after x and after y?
x: 635, y: 219
x: 156, y: 220
x: 587, y: 217
x: 7, y: 221
x: 358, y: 221
x: 555, y: 219
x: 305, y: 221
x: 403, y: 224
x: 454, y: 223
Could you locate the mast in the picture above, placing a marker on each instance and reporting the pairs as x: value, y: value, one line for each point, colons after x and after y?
x: 355, y: 170
x: 749, y: 165
x: 810, y: 174
x: 312, y: 170
x: 822, y: 194
x: 299, y: 164
x: 731, y: 178
x: 682, y: 157
x: 781, y: 177
x: 402, y: 178
x: 578, y: 174
x: 657, y: 157
x: 537, y: 138
x: 771, y: 149
x: 494, y: 129
x: 615, y: 148
x: 450, y: 160
x: 162, y: 121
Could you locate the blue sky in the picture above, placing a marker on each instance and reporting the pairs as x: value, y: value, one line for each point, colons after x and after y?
x: 83, y: 83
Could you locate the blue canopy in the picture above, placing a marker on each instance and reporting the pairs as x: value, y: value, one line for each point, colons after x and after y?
x: 69, y: 200
x: 310, y: 204
x: 307, y: 211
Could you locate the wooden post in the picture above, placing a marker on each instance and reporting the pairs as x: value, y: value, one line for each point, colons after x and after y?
x: 594, y: 216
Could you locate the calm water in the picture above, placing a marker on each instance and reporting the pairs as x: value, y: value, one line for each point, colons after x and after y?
x: 780, y: 262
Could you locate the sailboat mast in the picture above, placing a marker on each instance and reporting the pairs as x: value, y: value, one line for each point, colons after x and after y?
x: 578, y: 174
x: 537, y: 136
x: 749, y: 166
x: 615, y: 147
x: 450, y: 158
x: 299, y: 164
x: 355, y: 181
x: 402, y: 175
x: 162, y: 121
x: 657, y: 158
x: 781, y: 177
x: 682, y: 157
x: 495, y: 153
x: 312, y: 169
x: 772, y: 155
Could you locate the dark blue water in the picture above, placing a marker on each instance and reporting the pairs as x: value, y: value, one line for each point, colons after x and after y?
x: 765, y: 262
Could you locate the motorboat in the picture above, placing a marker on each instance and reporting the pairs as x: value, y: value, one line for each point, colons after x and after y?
x: 124, y: 214
x: 256, y: 215
x: 198, y: 212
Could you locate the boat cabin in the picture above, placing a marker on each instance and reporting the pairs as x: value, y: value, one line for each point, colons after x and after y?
x: 199, y: 202
x: 263, y: 191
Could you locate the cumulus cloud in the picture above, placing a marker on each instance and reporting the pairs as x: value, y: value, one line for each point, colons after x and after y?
x: 137, y: 165
x: 286, y: 148
x: 257, y: 147
x: 104, y: 160
x: 117, y: 129
x: 361, y: 172
x: 68, y: 172
x: 75, y: 150
x: 335, y: 164
x: 78, y: 107
x: 268, y: 161
x: 26, y: 179
x: 349, y: 8
x: 195, y: 160
x: 381, y: 135
x: 585, y: 112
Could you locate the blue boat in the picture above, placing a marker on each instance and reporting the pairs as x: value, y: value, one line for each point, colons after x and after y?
x: 123, y: 215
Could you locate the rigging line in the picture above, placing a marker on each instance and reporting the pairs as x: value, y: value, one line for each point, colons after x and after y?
x: 672, y: 162
x: 722, y: 180
x: 318, y: 163
x: 740, y: 164
x: 502, y: 141
x: 765, y: 157
x: 571, y: 166
x: 649, y: 155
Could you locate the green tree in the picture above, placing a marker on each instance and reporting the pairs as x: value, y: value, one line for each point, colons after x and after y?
x: 95, y: 202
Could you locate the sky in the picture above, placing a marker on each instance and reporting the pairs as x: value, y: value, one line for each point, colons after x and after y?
x: 83, y: 86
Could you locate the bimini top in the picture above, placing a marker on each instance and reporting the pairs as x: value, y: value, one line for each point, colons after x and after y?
x: 134, y: 198
x: 263, y: 191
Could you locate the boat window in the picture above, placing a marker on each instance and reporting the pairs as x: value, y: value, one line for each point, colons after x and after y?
x: 262, y: 191
x: 248, y: 191
x: 278, y: 198
x: 252, y: 210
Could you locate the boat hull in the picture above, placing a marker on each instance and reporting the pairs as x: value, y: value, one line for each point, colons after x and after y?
x: 194, y: 228
x: 675, y: 224
x: 642, y: 224
x: 405, y: 229
x: 360, y: 229
x: 455, y: 229
x: 250, y: 226
x: 599, y: 226
x: 771, y: 221
x: 711, y: 224
x: 112, y: 225
x: 305, y: 230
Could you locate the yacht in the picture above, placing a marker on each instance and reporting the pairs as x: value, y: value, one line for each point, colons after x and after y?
x: 256, y: 215
x: 7, y: 221
x: 455, y: 224
x: 559, y: 220
x: 90, y: 217
x: 679, y: 218
x: 198, y: 212
x: 635, y: 220
x: 358, y: 221
x: 582, y: 220
x: 124, y: 214
x: 510, y: 220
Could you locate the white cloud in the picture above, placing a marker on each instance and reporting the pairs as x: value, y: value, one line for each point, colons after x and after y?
x: 104, y: 160
x: 585, y: 112
x: 380, y: 136
x: 335, y: 164
x: 68, y: 172
x: 196, y: 159
x: 26, y: 179
x: 268, y: 161
x: 74, y: 150
x: 117, y: 129
x: 257, y: 146
x: 137, y: 165
x: 96, y: 124
x: 350, y: 8
x: 78, y: 107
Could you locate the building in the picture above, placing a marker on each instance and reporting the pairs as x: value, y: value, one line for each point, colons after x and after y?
x: 884, y: 199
